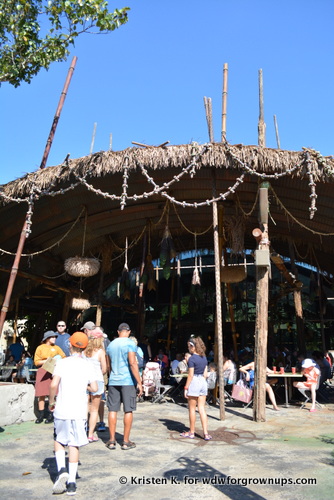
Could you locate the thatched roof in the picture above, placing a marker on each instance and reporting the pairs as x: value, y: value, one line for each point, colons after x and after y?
x: 111, y: 185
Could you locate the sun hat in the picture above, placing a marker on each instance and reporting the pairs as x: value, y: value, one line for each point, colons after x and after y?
x: 49, y: 334
x: 79, y: 339
x: 307, y: 363
x: 97, y: 333
x: 123, y: 326
x: 89, y: 325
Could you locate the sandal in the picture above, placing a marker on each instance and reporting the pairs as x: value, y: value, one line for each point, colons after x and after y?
x: 207, y: 437
x: 92, y: 439
x: 111, y: 445
x: 188, y: 434
x: 313, y: 409
x: 128, y: 446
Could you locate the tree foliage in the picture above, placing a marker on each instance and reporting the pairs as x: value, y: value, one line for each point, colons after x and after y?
x: 36, y: 33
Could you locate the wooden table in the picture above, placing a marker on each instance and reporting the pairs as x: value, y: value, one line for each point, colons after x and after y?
x: 287, y: 376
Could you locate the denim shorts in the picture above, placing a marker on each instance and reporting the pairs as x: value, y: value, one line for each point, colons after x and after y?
x: 198, y: 386
x: 100, y: 389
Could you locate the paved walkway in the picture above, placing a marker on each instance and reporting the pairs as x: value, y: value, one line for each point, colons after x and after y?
x: 292, y: 446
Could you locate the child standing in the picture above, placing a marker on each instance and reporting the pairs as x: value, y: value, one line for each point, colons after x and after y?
x: 71, y: 378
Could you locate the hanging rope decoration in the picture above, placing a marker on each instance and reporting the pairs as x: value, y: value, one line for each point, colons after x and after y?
x: 125, y: 278
x: 82, y: 266
x: 196, y: 280
x: 312, y: 185
x: 51, y: 246
x: 148, y: 276
x: 167, y: 251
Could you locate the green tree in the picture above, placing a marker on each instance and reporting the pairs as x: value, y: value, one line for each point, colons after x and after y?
x: 36, y: 33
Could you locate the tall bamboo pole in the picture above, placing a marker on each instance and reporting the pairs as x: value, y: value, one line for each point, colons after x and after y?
x: 93, y: 139
x: 27, y: 223
x: 261, y: 123
x: 219, y: 325
x: 58, y: 112
x: 224, y: 102
x: 278, y: 142
x: 208, y: 114
x: 261, y: 322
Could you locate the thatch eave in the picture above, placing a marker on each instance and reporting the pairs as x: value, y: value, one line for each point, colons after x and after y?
x: 218, y: 155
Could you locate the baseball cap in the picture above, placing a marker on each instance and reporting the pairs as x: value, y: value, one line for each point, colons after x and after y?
x: 123, y: 326
x: 79, y: 339
x: 307, y: 363
x: 89, y: 325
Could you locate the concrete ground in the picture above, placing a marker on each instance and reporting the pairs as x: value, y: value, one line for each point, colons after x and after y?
x: 291, y: 449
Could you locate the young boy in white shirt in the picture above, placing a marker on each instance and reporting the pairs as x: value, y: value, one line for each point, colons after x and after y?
x: 72, y: 377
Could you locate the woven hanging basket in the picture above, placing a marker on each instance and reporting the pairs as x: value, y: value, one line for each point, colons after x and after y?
x: 82, y: 267
x: 80, y: 304
x: 233, y: 274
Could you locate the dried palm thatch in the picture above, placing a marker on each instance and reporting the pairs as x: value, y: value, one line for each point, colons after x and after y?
x: 82, y: 267
x: 218, y: 155
x: 167, y: 252
x: 148, y: 277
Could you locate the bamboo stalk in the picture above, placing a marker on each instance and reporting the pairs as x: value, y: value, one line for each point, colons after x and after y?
x: 277, y: 134
x: 93, y: 139
x: 261, y: 123
x: 224, y: 102
x: 219, y: 326
x: 208, y: 114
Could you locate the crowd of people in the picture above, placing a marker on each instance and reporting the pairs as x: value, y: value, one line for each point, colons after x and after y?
x: 78, y: 374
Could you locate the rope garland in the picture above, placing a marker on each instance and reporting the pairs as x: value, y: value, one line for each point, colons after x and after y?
x: 51, y: 246
x: 295, y: 220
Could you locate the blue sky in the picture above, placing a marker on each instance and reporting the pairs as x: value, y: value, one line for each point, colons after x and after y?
x: 146, y: 81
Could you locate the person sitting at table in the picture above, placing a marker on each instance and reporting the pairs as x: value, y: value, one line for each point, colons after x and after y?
x: 6, y: 373
x: 249, y: 371
x: 182, y: 367
x: 22, y: 373
x: 312, y: 374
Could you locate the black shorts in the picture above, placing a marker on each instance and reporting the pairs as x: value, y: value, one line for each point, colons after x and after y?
x: 126, y: 394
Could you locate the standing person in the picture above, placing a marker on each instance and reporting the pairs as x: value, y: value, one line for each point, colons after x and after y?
x: 73, y: 376
x: 123, y: 376
x: 146, y: 348
x: 196, y: 388
x: 63, y: 339
x: 88, y: 326
x: 96, y: 355
x: 46, y: 350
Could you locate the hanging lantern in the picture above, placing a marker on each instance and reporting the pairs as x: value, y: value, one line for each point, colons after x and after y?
x: 80, y: 304
x: 82, y: 267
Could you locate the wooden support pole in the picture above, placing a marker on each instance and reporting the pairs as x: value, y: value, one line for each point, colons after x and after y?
x: 224, y: 102
x: 93, y: 139
x: 261, y: 321
x: 261, y: 123
x: 219, y: 325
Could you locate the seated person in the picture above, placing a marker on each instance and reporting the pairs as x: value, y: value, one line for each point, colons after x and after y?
x: 23, y: 366
x: 312, y: 374
x: 212, y: 375
x: 174, y: 364
x: 182, y: 367
x: 248, y: 370
x: 230, y: 371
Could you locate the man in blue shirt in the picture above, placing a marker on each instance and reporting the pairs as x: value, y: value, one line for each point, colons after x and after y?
x: 63, y: 339
x: 124, y: 376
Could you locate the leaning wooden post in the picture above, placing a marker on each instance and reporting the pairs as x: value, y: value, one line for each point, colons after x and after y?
x: 219, y: 325
x: 262, y: 263
x: 261, y: 123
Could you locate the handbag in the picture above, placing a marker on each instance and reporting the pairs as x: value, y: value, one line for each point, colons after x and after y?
x: 241, y: 392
